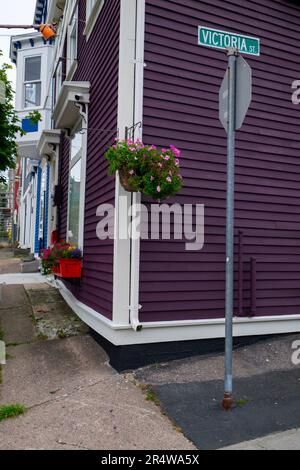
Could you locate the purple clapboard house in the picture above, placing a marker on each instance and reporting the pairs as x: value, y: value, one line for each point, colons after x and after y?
x: 137, y: 64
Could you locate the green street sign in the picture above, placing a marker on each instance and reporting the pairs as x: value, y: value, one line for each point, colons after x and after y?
x: 223, y: 40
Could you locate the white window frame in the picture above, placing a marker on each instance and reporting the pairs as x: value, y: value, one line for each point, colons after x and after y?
x: 71, y: 30
x: 26, y: 82
x: 93, y: 9
x: 58, y: 78
x: 72, y: 162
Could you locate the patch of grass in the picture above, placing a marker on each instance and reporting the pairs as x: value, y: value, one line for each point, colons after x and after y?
x: 61, y: 334
x: 242, y: 402
x: 33, y: 319
x: 156, y: 366
x: 11, y: 411
x: 151, y: 396
x: 42, y: 337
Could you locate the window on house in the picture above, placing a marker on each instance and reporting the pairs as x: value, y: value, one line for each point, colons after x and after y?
x: 72, y: 41
x: 32, y: 82
x: 75, y: 190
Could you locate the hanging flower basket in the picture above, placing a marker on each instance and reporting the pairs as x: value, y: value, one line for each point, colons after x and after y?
x: 68, y: 268
x: 145, y: 169
x: 63, y: 260
x: 125, y: 180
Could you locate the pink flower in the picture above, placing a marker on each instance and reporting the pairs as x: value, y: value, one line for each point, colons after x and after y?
x: 177, y: 162
x: 152, y: 178
x: 152, y: 147
x: 166, y: 157
x: 115, y: 147
x: 169, y: 179
x: 160, y: 165
x: 158, y: 189
x: 132, y: 149
x: 164, y: 150
x: 176, y: 152
x: 131, y: 172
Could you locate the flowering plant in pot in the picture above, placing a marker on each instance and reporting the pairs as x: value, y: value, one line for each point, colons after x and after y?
x: 144, y: 168
x: 62, y: 259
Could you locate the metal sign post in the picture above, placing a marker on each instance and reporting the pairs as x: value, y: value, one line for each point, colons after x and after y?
x: 235, y: 98
x: 232, y: 59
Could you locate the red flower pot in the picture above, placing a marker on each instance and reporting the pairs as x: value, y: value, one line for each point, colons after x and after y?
x: 68, y: 268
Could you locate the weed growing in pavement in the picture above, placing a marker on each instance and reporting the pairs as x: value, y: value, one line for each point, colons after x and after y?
x: 11, y: 411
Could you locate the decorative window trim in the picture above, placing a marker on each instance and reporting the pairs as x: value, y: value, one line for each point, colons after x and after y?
x: 49, y: 143
x: 67, y: 108
x: 71, y: 71
x: 71, y: 64
x: 28, y: 108
x: 58, y: 78
x: 82, y: 155
x: 91, y: 18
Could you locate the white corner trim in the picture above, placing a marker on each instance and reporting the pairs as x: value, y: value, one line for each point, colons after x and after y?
x: 159, y: 332
x: 92, y: 19
x: 122, y: 248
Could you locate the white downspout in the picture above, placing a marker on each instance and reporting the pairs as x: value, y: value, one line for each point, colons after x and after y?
x: 136, y: 199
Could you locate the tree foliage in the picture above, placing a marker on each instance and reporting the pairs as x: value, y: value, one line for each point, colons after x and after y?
x: 9, y: 124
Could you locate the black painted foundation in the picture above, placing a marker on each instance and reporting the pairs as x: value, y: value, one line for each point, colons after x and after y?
x: 130, y: 357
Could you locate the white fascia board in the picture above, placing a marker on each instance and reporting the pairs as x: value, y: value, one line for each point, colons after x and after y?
x: 163, y: 332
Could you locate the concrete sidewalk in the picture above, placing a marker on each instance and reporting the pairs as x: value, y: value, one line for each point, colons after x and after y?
x: 8, y: 263
x: 289, y: 440
x: 74, y: 399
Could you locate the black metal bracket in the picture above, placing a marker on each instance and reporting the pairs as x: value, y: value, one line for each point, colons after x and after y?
x: 130, y: 131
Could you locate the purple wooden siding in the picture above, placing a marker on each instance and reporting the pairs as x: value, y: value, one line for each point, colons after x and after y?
x: 182, y: 81
x: 98, y: 61
x: 64, y: 183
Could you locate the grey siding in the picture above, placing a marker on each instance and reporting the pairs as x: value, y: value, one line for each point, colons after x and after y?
x: 181, y: 107
x: 98, y: 63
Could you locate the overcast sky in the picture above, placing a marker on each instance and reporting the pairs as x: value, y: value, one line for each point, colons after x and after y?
x: 14, y: 12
